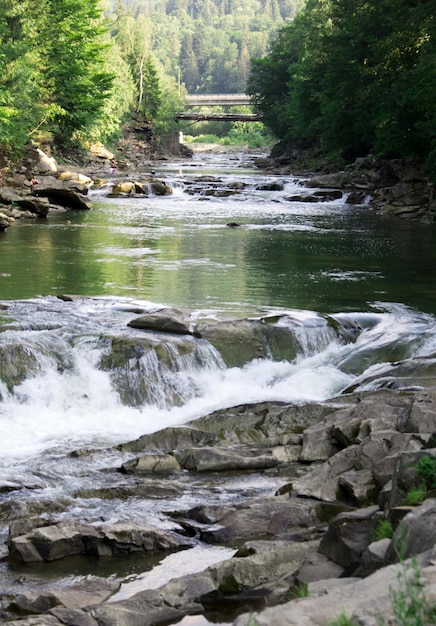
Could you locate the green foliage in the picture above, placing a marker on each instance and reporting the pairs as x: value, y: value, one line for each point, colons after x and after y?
x: 383, y: 530
x: 409, y: 603
x: 341, y: 620
x: 52, y: 69
x: 416, y: 495
x: 207, y: 44
x: 353, y: 76
x: 426, y: 467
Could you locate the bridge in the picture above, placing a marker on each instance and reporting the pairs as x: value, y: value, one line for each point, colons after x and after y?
x: 221, y: 100
x: 218, y: 99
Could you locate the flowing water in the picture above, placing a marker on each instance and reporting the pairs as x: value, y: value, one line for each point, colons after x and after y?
x: 131, y: 255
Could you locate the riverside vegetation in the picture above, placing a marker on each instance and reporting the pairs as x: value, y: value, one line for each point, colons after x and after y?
x: 333, y: 79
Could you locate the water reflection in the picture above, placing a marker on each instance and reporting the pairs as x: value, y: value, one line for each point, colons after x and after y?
x: 178, y: 250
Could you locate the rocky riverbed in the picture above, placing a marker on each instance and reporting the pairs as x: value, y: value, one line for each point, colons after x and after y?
x: 391, y: 187
x: 306, y: 507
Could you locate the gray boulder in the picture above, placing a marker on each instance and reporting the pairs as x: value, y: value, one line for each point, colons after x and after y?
x: 152, y: 464
x: 69, y: 538
x: 84, y: 593
x: 348, y: 535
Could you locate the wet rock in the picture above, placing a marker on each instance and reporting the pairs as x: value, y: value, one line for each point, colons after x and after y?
x: 276, y: 186
x: 259, y: 570
x: 162, y: 322
x: 58, y: 541
x: 63, y: 196
x: 5, y: 221
x: 144, y: 489
x: 218, y: 460
x: 273, y: 423
x: 138, y: 364
x: 152, y: 464
x: 270, y: 517
x: 238, y: 341
x: 318, y: 196
x: 17, y: 362
x: 169, y: 439
x: 84, y: 593
x: 36, y: 206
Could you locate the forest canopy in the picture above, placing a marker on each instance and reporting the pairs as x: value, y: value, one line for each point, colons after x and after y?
x: 76, y: 69
x: 349, y: 77
x: 338, y: 77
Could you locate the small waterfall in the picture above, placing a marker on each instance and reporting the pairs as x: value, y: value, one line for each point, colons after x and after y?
x: 160, y: 373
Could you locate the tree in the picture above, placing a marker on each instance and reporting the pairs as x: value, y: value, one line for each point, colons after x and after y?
x: 73, y: 57
x: 22, y: 90
x: 350, y: 76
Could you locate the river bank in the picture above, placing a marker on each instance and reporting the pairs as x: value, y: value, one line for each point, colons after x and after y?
x: 399, y: 188
x: 215, y: 429
x: 394, y: 187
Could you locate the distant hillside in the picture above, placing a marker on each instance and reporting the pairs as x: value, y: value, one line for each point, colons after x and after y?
x: 208, y: 44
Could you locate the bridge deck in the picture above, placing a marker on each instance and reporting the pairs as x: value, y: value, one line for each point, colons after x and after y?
x: 219, y: 117
x: 218, y: 99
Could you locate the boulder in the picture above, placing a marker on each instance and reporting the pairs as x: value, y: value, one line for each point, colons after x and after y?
x: 69, y: 538
x: 169, y: 439
x: 8, y: 195
x: 237, y: 341
x: 63, y: 196
x: 75, y: 177
x: 169, y: 321
x: 5, y: 221
x: 87, y: 592
x: 228, y: 459
x: 17, y: 362
x: 348, y: 535
x: 415, y: 534
x: 152, y: 464
x: 322, y: 481
x: 357, y: 487
x: 273, y: 423
x: 36, y: 206
x: 270, y: 517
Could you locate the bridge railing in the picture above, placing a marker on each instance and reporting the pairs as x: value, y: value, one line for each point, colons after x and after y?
x: 217, y: 99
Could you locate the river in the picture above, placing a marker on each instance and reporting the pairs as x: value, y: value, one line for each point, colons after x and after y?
x: 130, y: 255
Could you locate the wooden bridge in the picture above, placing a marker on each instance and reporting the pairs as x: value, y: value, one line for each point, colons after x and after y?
x: 221, y: 100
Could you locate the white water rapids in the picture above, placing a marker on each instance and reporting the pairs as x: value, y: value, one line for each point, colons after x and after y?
x: 70, y: 402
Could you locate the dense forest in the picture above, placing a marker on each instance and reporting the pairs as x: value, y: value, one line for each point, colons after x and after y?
x: 75, y: 70
x: 337, y: 77
x: 349, y: 77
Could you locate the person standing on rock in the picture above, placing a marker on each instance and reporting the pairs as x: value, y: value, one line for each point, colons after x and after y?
x: 32, y: 182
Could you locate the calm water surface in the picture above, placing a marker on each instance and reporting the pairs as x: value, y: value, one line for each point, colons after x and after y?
x: 179, y: 250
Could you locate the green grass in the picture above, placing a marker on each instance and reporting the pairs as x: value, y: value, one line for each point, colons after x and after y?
x: 342, y: 620
x: 383, y: 530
